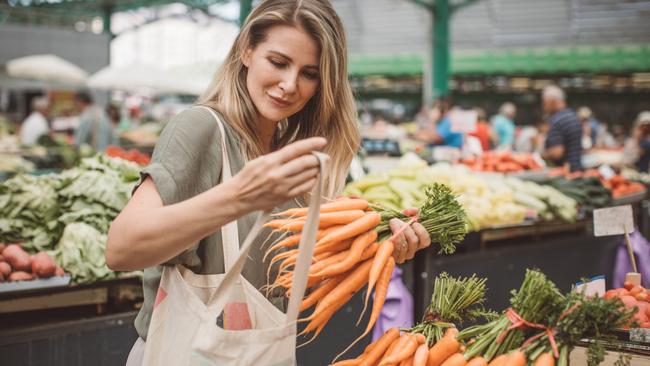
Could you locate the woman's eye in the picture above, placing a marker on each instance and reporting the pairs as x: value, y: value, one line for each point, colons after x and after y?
x: 311, y: 75
x: 276, y: 63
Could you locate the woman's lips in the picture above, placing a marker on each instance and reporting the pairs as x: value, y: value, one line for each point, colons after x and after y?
x: 279, y: 101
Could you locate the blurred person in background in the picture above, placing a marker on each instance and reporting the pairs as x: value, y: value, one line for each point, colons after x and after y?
x: 35, y: 125
x: 95, y: 129
x: 440, y: 133
x: 637, y: 148
x: 563, y: 143
x: 590, y: 127
x: 503, y: 126
x: 482, y: 132
x: 642, y: 133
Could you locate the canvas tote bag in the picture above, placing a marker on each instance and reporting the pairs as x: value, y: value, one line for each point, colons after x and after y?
x: 222, y: 319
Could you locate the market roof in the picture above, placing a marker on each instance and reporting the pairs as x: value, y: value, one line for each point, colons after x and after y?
x: 70, y: 11
x: 512, y: 61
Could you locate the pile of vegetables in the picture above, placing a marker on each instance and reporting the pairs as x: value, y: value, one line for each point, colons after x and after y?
x: 619, y: 185
x: 132, y: 155
x: 453, y: 301
x: 635, y: 298
x: 37, y: 211
x: 541, y: 328
x: 490, y: 200
x: 502, y: 162
x: 354, y: 250
x: 16, y: 265
x: 588, y: 192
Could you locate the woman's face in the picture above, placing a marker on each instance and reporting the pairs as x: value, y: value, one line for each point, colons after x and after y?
x: 283, y: 72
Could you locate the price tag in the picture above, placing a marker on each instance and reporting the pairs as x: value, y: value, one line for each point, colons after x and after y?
x: 463, y: 121
x: 606, y: 171
x: 613, y: 220
x: 595, y: 287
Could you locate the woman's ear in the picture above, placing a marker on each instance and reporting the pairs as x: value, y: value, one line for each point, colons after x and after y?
x: 246, y: 57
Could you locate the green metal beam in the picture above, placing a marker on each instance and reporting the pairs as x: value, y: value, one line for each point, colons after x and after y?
x: 440, y: 49
x: 245, y: 7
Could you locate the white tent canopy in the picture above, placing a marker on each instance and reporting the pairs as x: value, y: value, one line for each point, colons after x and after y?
x: 47, y: 68
x: 187, y: 79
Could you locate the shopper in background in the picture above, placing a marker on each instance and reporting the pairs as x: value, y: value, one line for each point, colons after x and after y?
x: 35, y: 125
x: 641, y: 136
x: 503, y: 126
x: 590, y: 127
x: 282, y: 92
x: 95, y: 129
x: 440, y: 133
x: 563, y: 143
x: 482, y: 132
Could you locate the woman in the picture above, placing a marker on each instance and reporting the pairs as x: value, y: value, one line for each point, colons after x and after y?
x: 283, y: 84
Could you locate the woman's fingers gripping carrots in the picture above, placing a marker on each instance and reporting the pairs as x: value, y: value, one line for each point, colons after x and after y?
x: 545, y: 359
x: 338, y: 205
x: 456, y: 359
x: 382, y: 344
x: 407, y: 362
x: 444, y: 349
x: 421, y: 355
x: 368, y: 222
x: 353, y: 362
x: 401, y: 351
x: 477, y: 361
x: 354, y: 255
x: 516, y: 358
x: 384, y: 251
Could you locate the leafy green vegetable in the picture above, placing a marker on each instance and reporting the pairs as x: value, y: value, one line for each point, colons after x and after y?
x: 81, y: 252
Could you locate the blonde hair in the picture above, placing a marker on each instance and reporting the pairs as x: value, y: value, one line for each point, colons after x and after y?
x: 330, y: 113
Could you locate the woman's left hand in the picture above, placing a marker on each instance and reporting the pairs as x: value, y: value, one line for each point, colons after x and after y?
x: 411, y: 240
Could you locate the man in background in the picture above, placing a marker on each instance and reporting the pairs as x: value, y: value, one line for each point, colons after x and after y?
x: 95, y: 129
x: 563, y: 143
x: 503, y: 126
x: 35, y: 125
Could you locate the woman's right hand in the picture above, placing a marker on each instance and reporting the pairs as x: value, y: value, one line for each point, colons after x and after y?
x: 270, y: 180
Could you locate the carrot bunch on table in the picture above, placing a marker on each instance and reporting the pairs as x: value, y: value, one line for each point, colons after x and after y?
x: 354, y: 249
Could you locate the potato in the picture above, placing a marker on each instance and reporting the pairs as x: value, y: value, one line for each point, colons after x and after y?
x: 5, y: 269
x: 20, y: 276
x: 17, y: 257
x: 43, y: 265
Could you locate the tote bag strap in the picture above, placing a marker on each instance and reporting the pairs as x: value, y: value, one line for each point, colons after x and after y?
x: 230, y: 231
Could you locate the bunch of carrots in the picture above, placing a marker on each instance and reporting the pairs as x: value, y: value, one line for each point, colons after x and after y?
x: 433, y: 340
x: 354, y: 249
x: 541, y: 328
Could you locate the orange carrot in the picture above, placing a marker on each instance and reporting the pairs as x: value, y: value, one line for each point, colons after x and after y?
x: 477, y: 361
x: 401, y: 352
x: 395, y: 347
x: 499, y: 361
x: 317, y: 294
x: 338, y: 205
x: 354, y: 254
x: 382, y: 344
x: 353, y: 283
x: 516, y: 358
x: 368, y: 222
x: 384, y: 251
x: 407, y: 362
x: 325, y: 221
x: 380, y: 294
x: 420, y: 337
x: 545, y: 359
x: 456, y: 359
x: 421, y: 355
x: 444, y: 349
